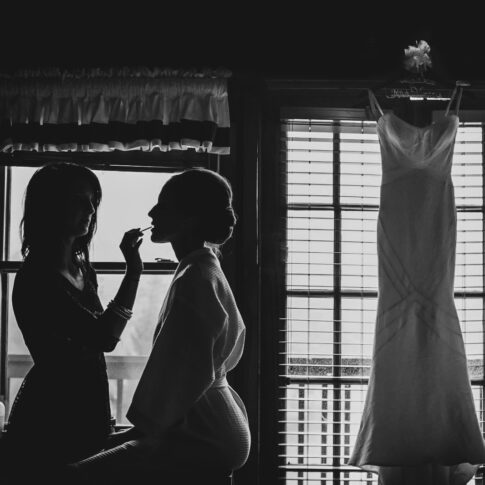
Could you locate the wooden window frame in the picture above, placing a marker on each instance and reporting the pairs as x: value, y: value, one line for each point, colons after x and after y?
x: 135, y: 161
x: 300, y: 99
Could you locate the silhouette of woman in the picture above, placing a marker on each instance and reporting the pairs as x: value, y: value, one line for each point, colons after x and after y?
x: 184, y: 412
x: 62, y: 411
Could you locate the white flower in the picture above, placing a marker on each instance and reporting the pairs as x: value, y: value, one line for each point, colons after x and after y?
x: 424, y: 46
x: 417, y: 57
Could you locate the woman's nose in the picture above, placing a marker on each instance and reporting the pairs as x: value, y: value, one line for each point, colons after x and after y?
x: 89, y: 207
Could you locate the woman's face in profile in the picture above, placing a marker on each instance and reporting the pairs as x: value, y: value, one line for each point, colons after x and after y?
x: 167, y: 222
x: 79, y: 209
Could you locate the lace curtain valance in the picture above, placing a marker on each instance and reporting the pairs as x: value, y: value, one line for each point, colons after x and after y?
x: 105, y: 110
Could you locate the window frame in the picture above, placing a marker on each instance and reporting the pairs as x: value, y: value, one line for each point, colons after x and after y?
x: 304, y: 99
x: 135, y: 161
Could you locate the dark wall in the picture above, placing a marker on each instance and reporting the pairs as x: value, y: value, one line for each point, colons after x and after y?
x: 306, y: 39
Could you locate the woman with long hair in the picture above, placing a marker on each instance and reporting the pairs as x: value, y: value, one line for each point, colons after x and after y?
x: 62, y: 410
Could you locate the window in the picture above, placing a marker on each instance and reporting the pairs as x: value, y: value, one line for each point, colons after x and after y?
x: 332, y: 171
x: 129, y: 192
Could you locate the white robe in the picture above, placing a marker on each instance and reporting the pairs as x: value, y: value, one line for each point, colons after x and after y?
x: 183, y: 396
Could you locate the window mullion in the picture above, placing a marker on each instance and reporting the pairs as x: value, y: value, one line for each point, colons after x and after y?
x: 337, y: 305
x: 482, y: 396
x: 3, y: 336
x: 105, y: 267
x: 5, y: 181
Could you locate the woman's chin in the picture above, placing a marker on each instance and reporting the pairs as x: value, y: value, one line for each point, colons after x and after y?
x: 159, y: 238
x: 80, y: 232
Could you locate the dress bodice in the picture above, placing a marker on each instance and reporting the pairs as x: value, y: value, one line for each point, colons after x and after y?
x: 407, y: 147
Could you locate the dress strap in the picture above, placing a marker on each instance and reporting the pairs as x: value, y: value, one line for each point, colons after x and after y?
x: 459, y: 90
x: 374, y: 104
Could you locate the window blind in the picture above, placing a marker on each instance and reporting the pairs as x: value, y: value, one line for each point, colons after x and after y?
x: 333, y: 175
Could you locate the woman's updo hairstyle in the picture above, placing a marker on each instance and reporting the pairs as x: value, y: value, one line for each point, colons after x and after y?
x: 207, y: 196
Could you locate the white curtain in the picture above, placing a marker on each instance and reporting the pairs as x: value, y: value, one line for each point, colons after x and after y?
x: 175, y: 109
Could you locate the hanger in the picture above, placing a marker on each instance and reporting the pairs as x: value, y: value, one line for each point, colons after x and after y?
x: 419, y: 88
x: 417, y: 85
x: 424, y: 90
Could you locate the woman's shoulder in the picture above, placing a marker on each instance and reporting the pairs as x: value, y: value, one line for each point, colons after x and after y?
x: 33, y: 268
x: 197, y: 293
x: 37, y: 275
x: 200, y: 272
x: 201, y: 282
x: 33, y: 280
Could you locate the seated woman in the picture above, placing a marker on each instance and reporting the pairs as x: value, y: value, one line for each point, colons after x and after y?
x: 184, y: 412
x: 62, y: 411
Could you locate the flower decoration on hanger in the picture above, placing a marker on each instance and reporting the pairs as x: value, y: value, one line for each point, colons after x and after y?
x: 417, y: 57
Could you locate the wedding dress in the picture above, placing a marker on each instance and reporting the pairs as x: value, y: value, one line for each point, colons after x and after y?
x: 419, y: 423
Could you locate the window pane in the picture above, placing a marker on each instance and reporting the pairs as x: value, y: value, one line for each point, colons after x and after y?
x: 320, y: 423
x: 359, y: 250
x: 310, y: 249
x: 126, y: 362
x: 307, y: 418
x: 467, y: 166
x: 309, y: 336
x: 20, y: 179
x: 18, y: 357
x: 469, y: 252
x: 127, y: 198
x: 360, y: 163
x: 470, y: 313
x: 357, y: 335
x: 309, y: 156
x: 138, y: 335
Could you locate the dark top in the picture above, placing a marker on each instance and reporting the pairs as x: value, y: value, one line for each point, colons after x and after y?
x: 62, y: 408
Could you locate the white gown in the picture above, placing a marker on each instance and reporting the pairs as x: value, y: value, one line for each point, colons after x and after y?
x: 183, y: 395
x: 419, y: 423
